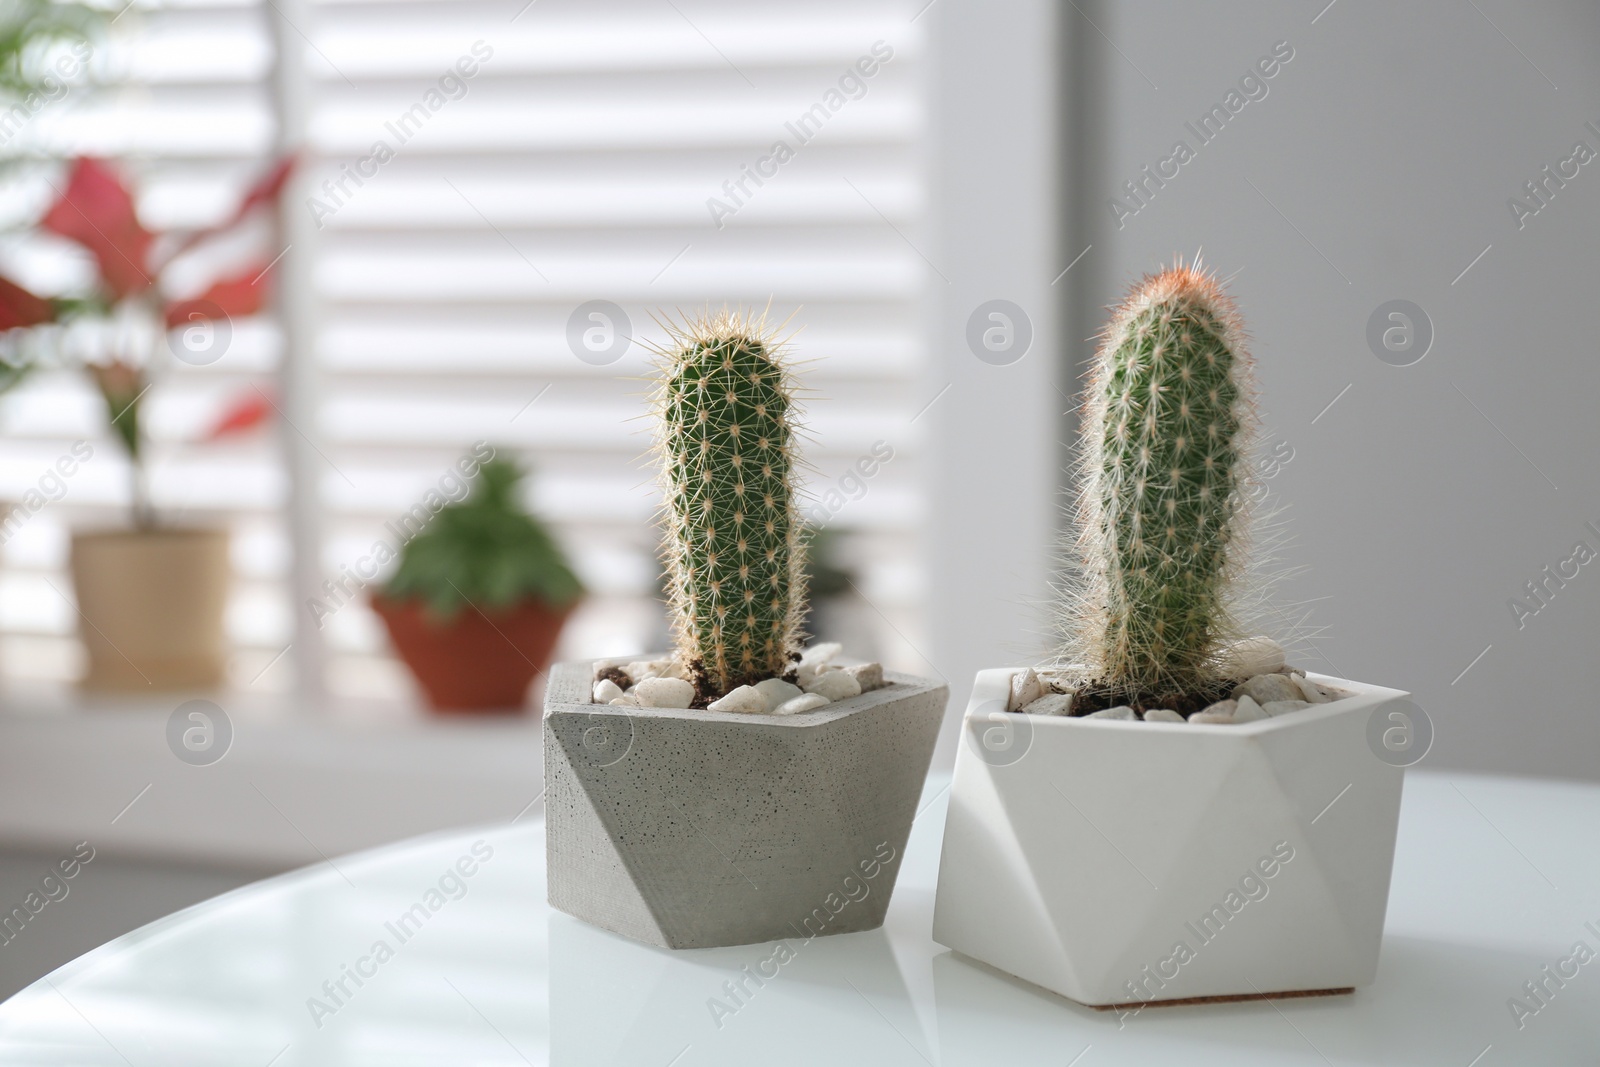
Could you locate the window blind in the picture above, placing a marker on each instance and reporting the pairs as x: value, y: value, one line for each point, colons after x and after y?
x: 479, y: 173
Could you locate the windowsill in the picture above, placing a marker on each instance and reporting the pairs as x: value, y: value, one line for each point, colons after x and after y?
x: 294, y: 786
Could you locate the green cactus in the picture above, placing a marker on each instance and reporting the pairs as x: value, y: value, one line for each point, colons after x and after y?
x: 733, y: 550
x: 1167, y: 424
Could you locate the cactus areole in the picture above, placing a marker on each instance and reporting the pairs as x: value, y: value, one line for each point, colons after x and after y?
x: 1167, y: 422
x: 733, y: 550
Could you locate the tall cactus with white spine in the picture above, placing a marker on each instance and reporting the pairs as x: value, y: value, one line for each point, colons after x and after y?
x: 734, y: 555
x: 1166, y: 430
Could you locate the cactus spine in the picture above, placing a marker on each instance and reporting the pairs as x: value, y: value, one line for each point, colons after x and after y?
x: 1166, y: 429
x: 733, y: 551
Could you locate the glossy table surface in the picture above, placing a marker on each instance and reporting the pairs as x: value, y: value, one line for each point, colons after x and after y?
x: 1495, y: 879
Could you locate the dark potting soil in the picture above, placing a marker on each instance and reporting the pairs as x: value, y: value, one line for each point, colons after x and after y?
x: 616, y: 675
x: 704, y: 695
x: 1185, y: 704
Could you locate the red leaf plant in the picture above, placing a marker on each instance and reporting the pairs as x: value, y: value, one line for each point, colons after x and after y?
x: 243, y: 414
x: 96, y: 211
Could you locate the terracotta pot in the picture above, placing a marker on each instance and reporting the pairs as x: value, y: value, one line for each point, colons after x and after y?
x: 478, y: 660
x: 150, y: 606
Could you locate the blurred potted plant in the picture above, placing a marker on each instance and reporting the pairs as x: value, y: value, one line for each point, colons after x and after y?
x: 150, y: 597
x: 837, y: 607
x: 742, y: 788
x: 480, y: 597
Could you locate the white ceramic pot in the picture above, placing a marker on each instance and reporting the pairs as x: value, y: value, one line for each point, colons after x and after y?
x: 1118, y: 863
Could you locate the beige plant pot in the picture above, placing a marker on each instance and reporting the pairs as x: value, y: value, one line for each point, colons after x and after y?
x: 150, y: 606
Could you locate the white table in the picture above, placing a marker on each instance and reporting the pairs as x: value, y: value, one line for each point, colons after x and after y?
x: 1494, y: 879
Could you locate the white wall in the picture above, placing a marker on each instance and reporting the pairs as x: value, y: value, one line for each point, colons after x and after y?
x: 1428, y: 495
x: 993, y: 470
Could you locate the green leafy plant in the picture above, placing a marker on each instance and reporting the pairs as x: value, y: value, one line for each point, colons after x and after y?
x: 32, y: 34
x: 1163, y: 471
x: 486, y: 551
x: 826, y: 574
x: 735, y: 557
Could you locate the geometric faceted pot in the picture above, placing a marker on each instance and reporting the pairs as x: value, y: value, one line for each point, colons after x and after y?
x: 697, y: 829
x: 476, y: 660
x: 151, y: 606
x: 1123, y: 863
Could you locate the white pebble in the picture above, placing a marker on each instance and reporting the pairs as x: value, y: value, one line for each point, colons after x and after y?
x: 807, y: 673
x: 1050, y: 704
x: 1248, y: 711
x: 605, y: 691
x: 1025, y: 689
x: 1162, y: 715
x: 1313, y: 692
x: 1122, y: 712
x: 835, y: 685
x: 776, y: 692
x: 641, y: 669
x: 1062, y: 678
x: 817, y: 655
x: 664, y: 693
x: 1264, y: 688
x: 1212, y: 717
x: 624, y: 702
x: 1283, y: 707
x: 867, y: 675
x: 805, y: 702
x: 1250, y: 657
x: 746, y: 699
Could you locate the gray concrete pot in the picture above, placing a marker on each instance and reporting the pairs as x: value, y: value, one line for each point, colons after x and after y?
x: 699, y: 829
